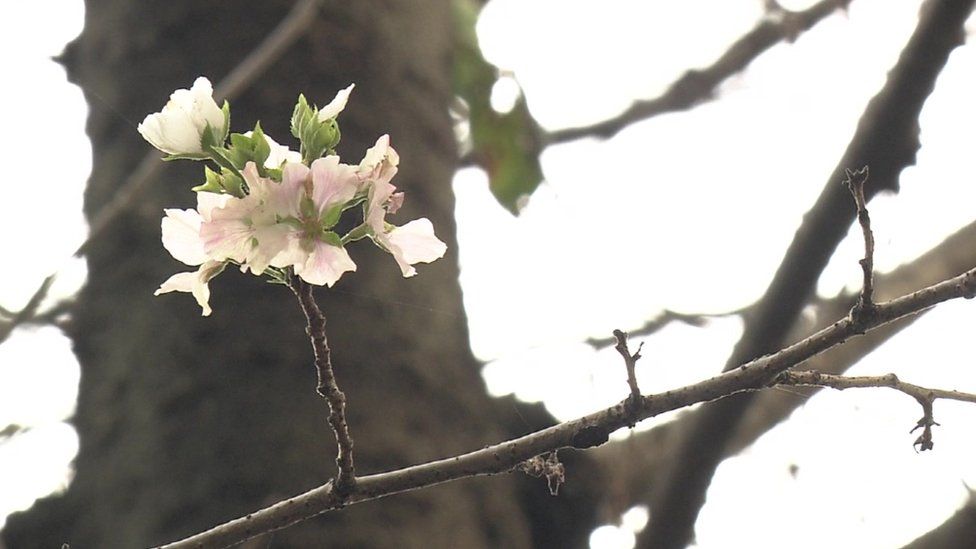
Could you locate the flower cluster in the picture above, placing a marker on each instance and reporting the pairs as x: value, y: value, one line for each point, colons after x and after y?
x: 273, y: 211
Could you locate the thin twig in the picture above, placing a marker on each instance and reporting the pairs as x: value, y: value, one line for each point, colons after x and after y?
x: 696, y: 86
x: 292, y: 27
x: 923, y: 395
x: 855, y: 183
x: 662, y: 319
x: 630, y: 362
x: 327, y: 386
x: 588, y: 431
x: 28, y: 312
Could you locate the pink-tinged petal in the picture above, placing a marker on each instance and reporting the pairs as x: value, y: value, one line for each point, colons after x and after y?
x: 379, y: 194
x: 195, y: 283
x: 337, y: 105
x: 228, y: 234
x: 414, y: 243
x: 325, y: 265
x: 208, y: 202
x: 268, y: 242
x: 380, y: 162
x: 181, y: 236
x: 332, y: 183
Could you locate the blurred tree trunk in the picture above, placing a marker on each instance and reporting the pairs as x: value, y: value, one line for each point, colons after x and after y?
x: 187, y: 421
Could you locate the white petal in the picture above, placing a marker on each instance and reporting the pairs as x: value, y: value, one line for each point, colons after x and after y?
x: 413, y: 243
x: 336, y: 106
x: 332, y: 182
x: 325, y: 265
x: 181, y: 236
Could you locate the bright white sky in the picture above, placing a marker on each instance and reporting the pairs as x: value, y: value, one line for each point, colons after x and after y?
x: 605, y: 243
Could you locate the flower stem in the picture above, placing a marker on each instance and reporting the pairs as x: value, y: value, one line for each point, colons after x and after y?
x: 327, y: 387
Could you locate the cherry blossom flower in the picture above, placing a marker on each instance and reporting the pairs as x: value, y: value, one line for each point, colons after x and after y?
x: 179, y: 128
x: 247, y: 230
x: 181, y: 237
x: 410, y: 244
x: 314, y: 200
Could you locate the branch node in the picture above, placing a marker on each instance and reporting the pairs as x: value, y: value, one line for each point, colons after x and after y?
x: 924, y: 440
x: 633, y: 402
x: 547, y: 465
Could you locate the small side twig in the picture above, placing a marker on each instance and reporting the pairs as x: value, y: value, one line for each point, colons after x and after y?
x: 327, y: 386
x: 855, y: 183
x: 923, y: 395
x: 630, y: 361
x: 28, y: 312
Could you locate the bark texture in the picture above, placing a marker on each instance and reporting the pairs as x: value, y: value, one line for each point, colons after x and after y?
x: 186, y: 421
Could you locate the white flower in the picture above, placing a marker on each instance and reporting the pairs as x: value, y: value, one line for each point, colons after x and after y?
x: 246, y: 230
x: 181, y: 237
x: 179, y: 127
x: 412, y: 243
x: 315, y: 197
x: 336, y: 106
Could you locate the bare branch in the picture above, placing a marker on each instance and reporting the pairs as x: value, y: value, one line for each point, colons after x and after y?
x: 697, y: 86
x: 662, y: 319
x: 327, y: 387
x: 630, y: 362
x: 585, y: 432
x: 887, y: 139
x: 28, y: 312
x: 855, y: 183
x: 923, y: 395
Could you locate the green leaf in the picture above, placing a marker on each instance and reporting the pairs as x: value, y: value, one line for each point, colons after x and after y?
x: 506, y: 146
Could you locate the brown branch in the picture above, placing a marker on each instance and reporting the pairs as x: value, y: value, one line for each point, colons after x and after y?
x: 661, y: 320
x: 855, y: 183
x: 923, y: 395
x: 585, y: 432
x: 887, y: 139
x: 630, y: 362
x: 28, y: 312
x: 629, y: 464
x: 327, y: 386
x: 697, y: 86
x: 292, y: 27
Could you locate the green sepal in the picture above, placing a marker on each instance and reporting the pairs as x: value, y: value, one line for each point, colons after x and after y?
x: 225, y: 182
x: 358, y: 233
x: 186, y: 156
x: 244, y: 149
x: 331, y: 216
x: 226, y: 110
x: 306, y: 207
x: 331, y: 238
x: 300, y: 116
x: 316, y: 136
